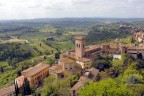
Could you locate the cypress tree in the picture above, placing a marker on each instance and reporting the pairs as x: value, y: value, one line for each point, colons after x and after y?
x: 16, y: 88
x: 1, y: 69
x: 27, y: 89
x: 19, y: 73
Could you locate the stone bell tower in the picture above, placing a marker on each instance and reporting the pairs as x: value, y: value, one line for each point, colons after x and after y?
x: 79, y: 46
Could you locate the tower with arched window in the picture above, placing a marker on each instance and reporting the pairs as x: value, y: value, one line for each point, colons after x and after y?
x: 79, y: 46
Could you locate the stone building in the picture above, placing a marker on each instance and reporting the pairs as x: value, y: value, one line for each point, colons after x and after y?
x: 20, y: 81
x: 81, y: 57
x: 79, y: 47
x: 90, y: 75
x: 36, y: 74
x: 81, y: 54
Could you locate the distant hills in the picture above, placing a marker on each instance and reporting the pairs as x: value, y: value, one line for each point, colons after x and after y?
x: 48, y: 20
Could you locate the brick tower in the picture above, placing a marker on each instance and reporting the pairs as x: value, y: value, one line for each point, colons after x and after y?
x: 79, y: 46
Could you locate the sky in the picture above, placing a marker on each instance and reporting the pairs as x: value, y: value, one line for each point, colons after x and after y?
x: 30, y: 9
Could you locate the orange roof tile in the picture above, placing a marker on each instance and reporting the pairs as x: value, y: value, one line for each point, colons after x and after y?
x: 80, y: 83
x: 7, y: 91
x: 68, y: 60
x: 20, y: 81
x: 33, y: 70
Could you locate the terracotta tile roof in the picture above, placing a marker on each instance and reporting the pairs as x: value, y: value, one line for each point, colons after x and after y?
x: 93, y: 73
x: 139, y: 33
x: 80, y: 37
x: 92, y: 47
x: 56, y: 69
x: 80, y: 83
x: 68, y: 60
x: 36, y: 69
x: 83, y: 79
x: 114, y: 45
x: 19, y: 81
x: 7, y: 91
x: 84, y: 59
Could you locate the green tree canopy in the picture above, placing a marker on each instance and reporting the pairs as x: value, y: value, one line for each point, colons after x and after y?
x: 105, y: 88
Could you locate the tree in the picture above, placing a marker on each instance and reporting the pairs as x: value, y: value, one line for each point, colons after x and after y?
x: 50, y: 60
x: 1, y: 69
x: 16, y: 88
x: 9, y: 60
x: 102, y: 62
x: 104, y: 88
x: 138, y: 89
x: 18, y: 73
x: 139, y: 64
x: 132, y: 76
x: 133, y: 79
x: 50, y: 87
x: 52, y: 51
x: 57, y: 55
x: 40, y: 44
x: 26, y: 88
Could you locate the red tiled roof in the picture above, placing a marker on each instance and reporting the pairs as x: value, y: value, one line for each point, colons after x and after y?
x: 20, y: 81
x: 33, y: 70
x: 7, y: 91
x: 80, y: 83
x: 55, y: 69
x: 84, y: 59
x: 139, y: 33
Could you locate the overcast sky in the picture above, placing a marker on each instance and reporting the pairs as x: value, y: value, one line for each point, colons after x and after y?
x: 29, y: 9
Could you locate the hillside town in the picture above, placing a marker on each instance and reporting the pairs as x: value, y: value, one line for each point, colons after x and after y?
x: 78, y: 60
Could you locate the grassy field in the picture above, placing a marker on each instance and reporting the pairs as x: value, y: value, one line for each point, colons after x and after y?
x: 4, y: 63
x: 37, y: 44
x: 47, y: 29
x: 12, y: 40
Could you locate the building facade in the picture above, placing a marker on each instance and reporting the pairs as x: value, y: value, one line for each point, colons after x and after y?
x: 36, y: 74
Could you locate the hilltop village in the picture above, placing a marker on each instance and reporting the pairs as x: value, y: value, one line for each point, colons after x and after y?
x: 78, y: 60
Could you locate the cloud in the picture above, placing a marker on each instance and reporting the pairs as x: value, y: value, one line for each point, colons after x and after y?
x: 35, y: 6
x: 82, y: 1
x: 27, y: 9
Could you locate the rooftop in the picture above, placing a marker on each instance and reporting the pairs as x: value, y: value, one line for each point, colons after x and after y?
x: 33, y: 70
x: 139, y: 33
x: 80, y: 83
x: 80, y: 37
x: 68, y: 60
x: 6, y: 91
x: 84, y: 59
x: 20, y: 81
x: 55, y: 69
x: 92, y: 47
